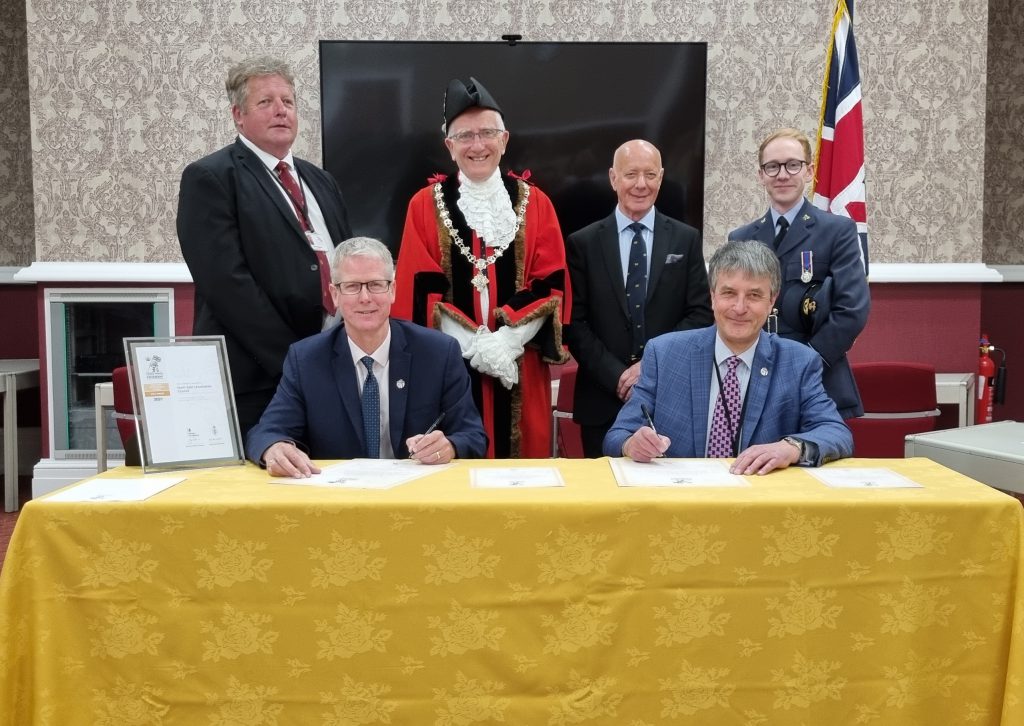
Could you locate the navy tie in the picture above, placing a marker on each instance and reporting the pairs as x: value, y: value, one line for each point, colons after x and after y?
x: 636, y: 287
x: 783, y: 228
x: 371, y: 410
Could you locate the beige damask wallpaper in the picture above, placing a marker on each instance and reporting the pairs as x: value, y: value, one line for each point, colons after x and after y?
x: 1004, y: 135
x: 17, y: 246
x: 124, y: 94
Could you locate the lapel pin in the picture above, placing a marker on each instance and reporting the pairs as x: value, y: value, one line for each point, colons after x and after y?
x: 400, y: 384
x: 806, y: 217
x: 764, y: 371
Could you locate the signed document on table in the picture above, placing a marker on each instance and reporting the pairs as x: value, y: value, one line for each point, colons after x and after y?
x: 862, y: 478
x: 367, y: 474
x: 115, y: 490
x: 516, y: 477
x: 675, y: 473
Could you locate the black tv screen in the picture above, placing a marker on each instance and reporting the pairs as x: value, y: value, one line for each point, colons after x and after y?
x: 567, y: 107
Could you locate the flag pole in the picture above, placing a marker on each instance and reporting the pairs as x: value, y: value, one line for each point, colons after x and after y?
x: 837, y: 16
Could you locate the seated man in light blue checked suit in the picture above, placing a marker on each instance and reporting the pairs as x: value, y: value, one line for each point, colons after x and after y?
x: 773, y: 412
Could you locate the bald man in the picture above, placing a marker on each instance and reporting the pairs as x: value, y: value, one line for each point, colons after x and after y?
x: 635, y: 275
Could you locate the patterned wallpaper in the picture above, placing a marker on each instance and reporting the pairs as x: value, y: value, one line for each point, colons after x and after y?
x: 17, y: 247
x: 124, y: 94
x: 1004, y: 130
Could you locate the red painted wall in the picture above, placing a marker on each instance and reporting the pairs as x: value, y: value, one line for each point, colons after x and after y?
x: 19, y: 338
x: 940, y: 323
x: 936, y: 323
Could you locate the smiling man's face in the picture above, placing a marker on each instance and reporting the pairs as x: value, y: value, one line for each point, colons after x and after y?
x: 478, y: 157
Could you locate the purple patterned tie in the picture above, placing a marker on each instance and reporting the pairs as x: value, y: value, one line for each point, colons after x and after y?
x: 723, y: 431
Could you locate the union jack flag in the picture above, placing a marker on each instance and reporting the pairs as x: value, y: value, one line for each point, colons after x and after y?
x: 839, y: 174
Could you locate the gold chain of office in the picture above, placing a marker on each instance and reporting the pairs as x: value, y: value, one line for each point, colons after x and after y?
x: 480, y: 264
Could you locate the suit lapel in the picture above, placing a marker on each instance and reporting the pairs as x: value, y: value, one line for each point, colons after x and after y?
x: 659, y: 251
x: 757, y: 386
x: 764, y: 230
x: 608, y: 242
x: 345, y: 380
x: 254, y: 166
x: 319, y: 189
x: 700, y: 388
x: 399, y: 366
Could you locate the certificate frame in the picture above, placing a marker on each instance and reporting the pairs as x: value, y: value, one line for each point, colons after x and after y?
x: 184, y: 402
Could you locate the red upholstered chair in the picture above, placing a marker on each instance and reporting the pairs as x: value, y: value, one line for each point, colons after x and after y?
x: 124, y: 416
x: 899, y: 399
x: 566, y: 441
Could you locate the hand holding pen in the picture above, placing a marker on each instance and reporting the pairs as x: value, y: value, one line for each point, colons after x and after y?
x: 432, y: 446
x: 646, y: 443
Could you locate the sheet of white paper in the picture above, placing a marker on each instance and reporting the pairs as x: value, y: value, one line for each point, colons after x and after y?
x: 183, y: 399
x: 115, y: 490
x: 367, y: 474
x: 675, y: 473
x: 863, y: 478
x: 516, y: 477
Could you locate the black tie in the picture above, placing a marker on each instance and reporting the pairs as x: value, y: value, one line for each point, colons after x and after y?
x: 636, y: 287
x: 783, y: 227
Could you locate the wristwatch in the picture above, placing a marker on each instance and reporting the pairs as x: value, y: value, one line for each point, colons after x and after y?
x: 799, y: 446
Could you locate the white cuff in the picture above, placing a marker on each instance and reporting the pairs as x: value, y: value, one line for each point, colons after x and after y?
x: 516, y: 338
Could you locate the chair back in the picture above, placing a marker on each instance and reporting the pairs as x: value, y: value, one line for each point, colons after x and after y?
x: 566, y: 441
x: 124, y: 416
x: 899, y: 399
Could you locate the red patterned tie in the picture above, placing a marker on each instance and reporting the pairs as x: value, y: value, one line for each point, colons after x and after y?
x: 299, y: 202
x: 724, y: 428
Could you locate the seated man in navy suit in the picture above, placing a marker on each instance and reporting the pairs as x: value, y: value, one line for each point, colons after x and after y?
x: 371, y: 387
x: 732, y: 390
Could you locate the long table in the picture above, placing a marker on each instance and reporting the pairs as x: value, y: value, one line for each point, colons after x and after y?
x: 228, y: 599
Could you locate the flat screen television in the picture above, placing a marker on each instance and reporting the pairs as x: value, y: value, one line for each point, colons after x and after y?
x: 567, y: 107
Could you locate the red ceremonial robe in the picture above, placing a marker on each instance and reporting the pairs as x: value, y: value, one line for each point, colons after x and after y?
x: 529, y: 280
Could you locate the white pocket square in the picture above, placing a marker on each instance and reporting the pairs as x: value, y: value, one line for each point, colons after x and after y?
x: 672, y: 259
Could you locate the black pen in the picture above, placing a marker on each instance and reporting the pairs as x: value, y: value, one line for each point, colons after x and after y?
x: 437, y: 422
x: 430, y: 429
x: 647, y: 415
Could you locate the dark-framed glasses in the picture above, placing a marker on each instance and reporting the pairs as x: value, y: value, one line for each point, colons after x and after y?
x: 467, y: 137
x: 375, y: 287
x: 793, y: 166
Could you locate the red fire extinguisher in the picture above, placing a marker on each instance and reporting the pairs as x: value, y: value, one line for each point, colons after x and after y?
x: 986, y: 383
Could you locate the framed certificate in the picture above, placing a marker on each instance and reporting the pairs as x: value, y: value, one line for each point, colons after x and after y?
x: 181, y: 391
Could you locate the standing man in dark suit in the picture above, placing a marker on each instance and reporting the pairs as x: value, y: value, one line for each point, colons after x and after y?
x: 256, y: 227
x: 370, y: 387
x: 824, y: 301
x: 635, y: 275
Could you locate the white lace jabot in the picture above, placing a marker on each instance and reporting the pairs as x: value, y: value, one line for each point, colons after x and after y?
x: 488, y: 209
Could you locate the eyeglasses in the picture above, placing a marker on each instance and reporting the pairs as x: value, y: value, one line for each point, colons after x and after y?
x: 793, y: 166
x: 374, y: 287
x: 467, y: 137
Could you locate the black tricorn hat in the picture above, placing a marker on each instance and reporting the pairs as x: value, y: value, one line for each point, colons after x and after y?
x: 461, y: 97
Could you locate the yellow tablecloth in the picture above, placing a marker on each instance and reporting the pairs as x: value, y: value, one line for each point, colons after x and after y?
x: 228, y: 600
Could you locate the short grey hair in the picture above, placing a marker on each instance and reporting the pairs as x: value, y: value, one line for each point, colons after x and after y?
x: 750, y: 257
x: 363, y: 247
x: 237, y: 83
